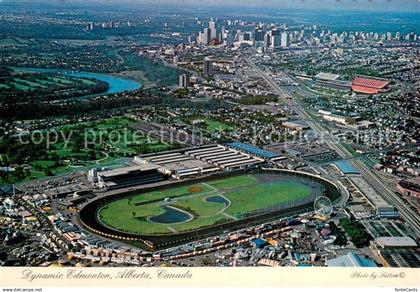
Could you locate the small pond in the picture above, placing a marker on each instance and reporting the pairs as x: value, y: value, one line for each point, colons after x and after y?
x: 171, y: 216
x: 217, y: 199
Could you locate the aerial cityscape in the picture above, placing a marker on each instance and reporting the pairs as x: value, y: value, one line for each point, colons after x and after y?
x: 173, y: 134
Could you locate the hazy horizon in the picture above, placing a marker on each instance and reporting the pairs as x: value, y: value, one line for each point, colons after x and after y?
x: 339, y: 5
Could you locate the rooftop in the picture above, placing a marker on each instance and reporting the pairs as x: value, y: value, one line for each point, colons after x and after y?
x: 253, y: 150
x: 346, y: 168
x: 327, y: 76
x: 396, y: 242
x: 351, y: 259
x: 126, y: 170
x: 370, y: 82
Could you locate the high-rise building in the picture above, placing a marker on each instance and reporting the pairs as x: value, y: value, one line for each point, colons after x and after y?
x: 191, y: 38
x: 258, y: 34
x: 275, y: 41
x: 275, y: 32
x: 210, y: 35
x: 207, y: 67
x: 284, y: 39
x: 267, y: 40
x: 183, y: 81
x: 213, y: 29
x: 244, y: 36
x: 206, y: 36
x: 229, y: 40
x: 224, y: 31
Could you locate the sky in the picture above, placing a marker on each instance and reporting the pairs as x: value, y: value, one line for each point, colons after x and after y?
x: 366, y: 5
x: 372, y: 5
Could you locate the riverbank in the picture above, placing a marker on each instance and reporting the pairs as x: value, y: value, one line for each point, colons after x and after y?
x: 116, y: 83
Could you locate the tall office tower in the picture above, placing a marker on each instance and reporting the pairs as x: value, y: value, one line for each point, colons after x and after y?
x: 267, y: 40
x: 244, y: 36
x: 207, y: 67
x: 224, y: 33
x: 183, y: 81
x: 191, y: 38
x: 237, y: 35
x: 284, y: 39
x: 212, y: 23
x: 229, y: 40
x: 206, y: 36
x: 220, y: 37
x: 275, y: 32
x: 213, y: 29
x: 275, y: 41
x: 258, y: 34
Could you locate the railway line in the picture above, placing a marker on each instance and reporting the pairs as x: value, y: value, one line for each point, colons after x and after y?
x: 409, y: 215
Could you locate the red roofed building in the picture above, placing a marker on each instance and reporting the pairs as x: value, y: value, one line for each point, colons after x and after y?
x: 368, y: 85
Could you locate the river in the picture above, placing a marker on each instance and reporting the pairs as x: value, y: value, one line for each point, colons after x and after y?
x: 116, y: 84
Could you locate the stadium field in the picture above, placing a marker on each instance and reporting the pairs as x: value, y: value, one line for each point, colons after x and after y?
x: 195, y: 206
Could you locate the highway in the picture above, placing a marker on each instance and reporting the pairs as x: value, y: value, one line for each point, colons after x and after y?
x: 410, y: 216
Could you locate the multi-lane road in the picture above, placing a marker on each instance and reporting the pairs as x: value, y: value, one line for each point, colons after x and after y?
x: 409, y: 215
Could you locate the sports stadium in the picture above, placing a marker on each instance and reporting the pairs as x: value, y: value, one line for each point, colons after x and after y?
x: 170, y: 214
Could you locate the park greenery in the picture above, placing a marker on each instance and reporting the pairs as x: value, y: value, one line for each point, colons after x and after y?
x: 154, y: 70
x: 22, y: 87
x: 356, y: 232
x: 74, y: 145
x: 341, y: 238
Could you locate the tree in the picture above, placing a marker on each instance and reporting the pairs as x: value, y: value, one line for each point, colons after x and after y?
x: 181, y: 92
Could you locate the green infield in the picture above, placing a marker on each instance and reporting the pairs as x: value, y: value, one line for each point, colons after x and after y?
x: 190, y: 207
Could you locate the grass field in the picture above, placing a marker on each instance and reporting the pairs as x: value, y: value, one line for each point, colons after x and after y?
x: 214, y: 125
x: 235, y: 197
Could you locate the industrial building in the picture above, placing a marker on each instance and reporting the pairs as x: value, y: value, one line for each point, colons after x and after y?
x: 409, y: 188
x: 382, y: 208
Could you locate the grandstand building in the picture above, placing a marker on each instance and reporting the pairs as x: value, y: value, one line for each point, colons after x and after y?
x: 129, y: 176
x: 369, y: 85
x: 199, y: 161
x: 183, y: 163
